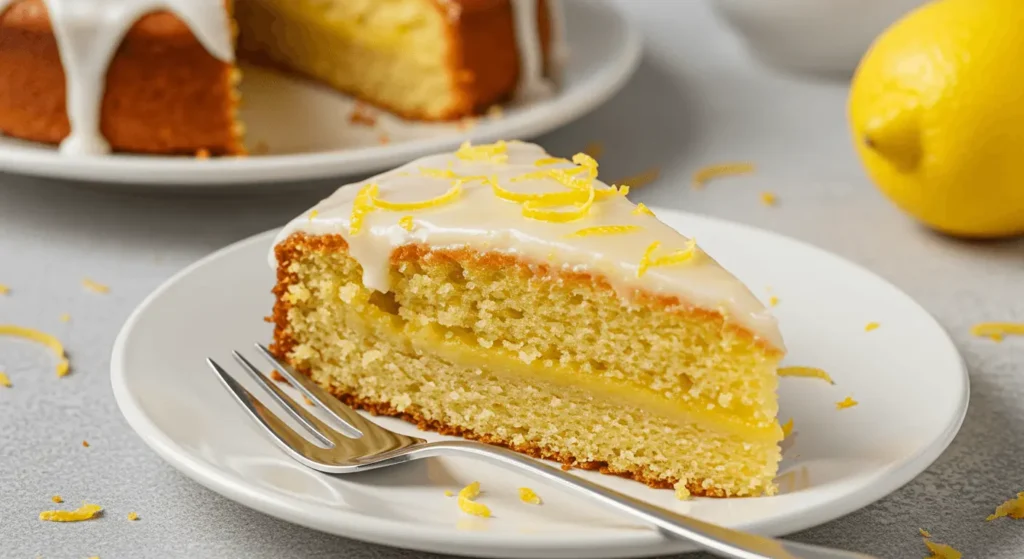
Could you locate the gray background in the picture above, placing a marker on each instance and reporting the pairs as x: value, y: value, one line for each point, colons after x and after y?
x: 697, y: 99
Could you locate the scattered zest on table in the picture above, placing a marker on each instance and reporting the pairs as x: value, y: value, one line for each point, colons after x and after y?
x: 5, y: 381
x: 941, y: 551
x: 996, y: 330
x: 787, y: 427
x: 41, y: 337
x: 527, y: 495
x: 773, y: 300
x: 95, y: 287
x: 806, y: 372
x: 871, y: 326
x: 849, y: 402
x: 769, y: 199
x: 4, y: 290
x: 924, y: 533
x: 706, y: 174
x: 133, y: 516
x: 1014, y: 508
x: 84, y: 512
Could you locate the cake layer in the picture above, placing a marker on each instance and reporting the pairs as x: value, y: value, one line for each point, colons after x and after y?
x: 419, y: 58
x: 355, y: 342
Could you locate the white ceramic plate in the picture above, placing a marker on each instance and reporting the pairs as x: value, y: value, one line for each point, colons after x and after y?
x: 306, y: 130
x: 907, y: 375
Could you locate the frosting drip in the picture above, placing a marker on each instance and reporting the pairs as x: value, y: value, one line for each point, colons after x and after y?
x: 88, y: 33
x: 610, y: 240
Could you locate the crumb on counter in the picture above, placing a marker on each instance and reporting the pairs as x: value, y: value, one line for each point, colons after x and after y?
x: 84, y: 512
x: 202, y: 153
x: 95, y: 287
x: 307, y: 401
x: 787, y: 427
x: 1014, y: 508
x: 276, y: 376
x: 682, y: 492
x: 63, y: 367
x: 706, y: 174
x: 362, y: 114
x: 85, y: 444
x: 849, y: 402
x: 527, y: 495
x: 806, y: 372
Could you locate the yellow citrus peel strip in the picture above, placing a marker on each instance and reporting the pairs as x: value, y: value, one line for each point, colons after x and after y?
x: 449, y: 196
x: 871, y: 326
x: 773, y: 300
x: 924, y: 533
x: 941, y: 551
x: 5, y: 380
x: 471, y: 491
x: 57, y: 499
x: 533, y: 210
x: 406, y: 223
x: 677, y: 257
x: 642, y: 209
x: 605, y: 230
x: 805, y: 372
x: 133, y: 516
x: 787, y: 427
x: 527, y: 495
x: 84, y: 512
x: 4, y: 290
x: 769, y: 199
x: 545, y: 161
x: 1014, y: 508
x: 704, y: 175
x: 996, y: 330
x: 849, y: 402
x: 494, y: 153
x: 361, y: 206
x: 466, y: 503
x: 543, y: 198
x: 94, y: 286
x: 41, y: 337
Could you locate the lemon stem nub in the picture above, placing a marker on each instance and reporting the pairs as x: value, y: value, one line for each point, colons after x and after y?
x: 895, y: 138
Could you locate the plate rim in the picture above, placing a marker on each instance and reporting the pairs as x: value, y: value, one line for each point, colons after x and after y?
x: 624, y: 543
x: 178, y: 172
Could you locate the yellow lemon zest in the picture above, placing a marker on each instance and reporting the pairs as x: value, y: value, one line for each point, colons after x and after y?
x: 941, y: 551
x: 787, y: 427
x: 849, y: 402
x: 532, y: 210
x: 406, y: 223
x: 545, y: 161
x: 494, y: 153
x: 924, y: 533
x: 705, y: 174
x: 41, y: 337
x: 769, y: 199
x: 996, y: 330
x: 642, y: 209
x: 527, y: 495
x: 448, y: 493
x: 541, y: 198
x: 133, y: 516
x: 773, y: 300
x: 602, y: 193
x: 474, y: 508
x: 361, y: 206
x: 677, y: 257
x: 806, y: 372
x: 1014, y: 508
x: 313, y: 214
x: 94, y: 286
x: 84, y: 512
x: 57, y: 499
x: 5, y: 380
x: 605, y: 230
x: 645, y: 260
x: 4, y: 290
x: 471, y: 491
x: 871, y: 326
x: 586, y: 162
x: 449, y: 196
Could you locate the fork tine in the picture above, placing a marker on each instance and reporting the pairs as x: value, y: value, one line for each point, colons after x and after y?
x: 344, y: 414
x: 317, y: 428
x: 284, y: 435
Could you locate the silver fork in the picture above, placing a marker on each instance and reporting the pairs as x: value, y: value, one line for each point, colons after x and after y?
x: 358, y: 445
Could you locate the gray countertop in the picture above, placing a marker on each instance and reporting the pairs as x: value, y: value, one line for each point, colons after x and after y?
x: 697, y: 99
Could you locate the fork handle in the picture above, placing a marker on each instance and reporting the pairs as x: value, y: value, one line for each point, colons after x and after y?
x: 709, y: 537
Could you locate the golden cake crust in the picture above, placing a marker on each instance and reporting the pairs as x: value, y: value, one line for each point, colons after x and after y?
x: 165, y: 93
x: 295, y: 245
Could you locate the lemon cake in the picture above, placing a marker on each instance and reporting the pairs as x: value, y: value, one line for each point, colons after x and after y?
x: 160, y: 76
x: 508, y: 296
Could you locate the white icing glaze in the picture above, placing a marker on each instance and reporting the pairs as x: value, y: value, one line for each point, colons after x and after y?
x: 88, y: 33
x: 532, y: 82
x: 482, y: 221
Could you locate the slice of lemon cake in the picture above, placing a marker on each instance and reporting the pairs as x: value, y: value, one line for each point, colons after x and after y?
x: 505, y: 295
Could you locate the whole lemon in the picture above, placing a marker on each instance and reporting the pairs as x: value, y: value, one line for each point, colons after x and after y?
x: 937, y: 115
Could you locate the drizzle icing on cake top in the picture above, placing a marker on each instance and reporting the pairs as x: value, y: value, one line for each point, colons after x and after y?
x: 89, y: 32
x: 469, y: 206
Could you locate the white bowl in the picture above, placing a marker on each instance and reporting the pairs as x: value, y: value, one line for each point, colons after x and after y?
x: 826, y: 37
